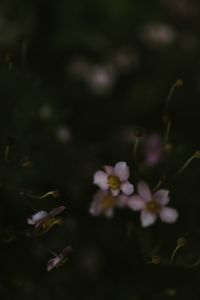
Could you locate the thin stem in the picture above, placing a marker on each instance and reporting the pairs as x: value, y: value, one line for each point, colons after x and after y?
x: 193, y: 265
x: 184, y: 166
x: 181, y: 242
x: 7, y: 152
x: 158, y: 185
x: 166, y: 118
x: 178, y: 83
x: 174, y: 253
x: 136, y: 147
x: 167, y: 130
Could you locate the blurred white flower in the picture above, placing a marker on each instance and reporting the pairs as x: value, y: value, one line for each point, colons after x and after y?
x: 104, y: 203
x: 101, y: 78
x: 158, y: 34
x: 154, y: 149
x: 63, y: 134
x: 45, y: 112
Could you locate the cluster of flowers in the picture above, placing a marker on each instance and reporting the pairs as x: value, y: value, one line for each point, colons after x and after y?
x: 117, y: 191
x: 43, y: 221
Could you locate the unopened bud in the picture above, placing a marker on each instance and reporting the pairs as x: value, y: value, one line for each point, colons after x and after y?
x: 138, y: 132
x: 156, y: 260
x: 179, y: 82
x: 197, y: 154
x: 181, y: 241
x: 55, y: 193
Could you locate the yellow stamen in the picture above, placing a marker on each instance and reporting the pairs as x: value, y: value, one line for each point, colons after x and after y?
x: 114, y: 182
x: 152, y: 206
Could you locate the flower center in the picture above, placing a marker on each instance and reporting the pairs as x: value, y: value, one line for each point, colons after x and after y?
x: 114, y: 182
x: 108, y: 202
x: 153, y: 207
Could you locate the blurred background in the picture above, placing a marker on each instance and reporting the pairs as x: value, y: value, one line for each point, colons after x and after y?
x: 76, y: 78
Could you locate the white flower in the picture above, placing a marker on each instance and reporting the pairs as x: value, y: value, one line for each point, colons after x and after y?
x: 104, y: 203
x: 152, y: 205
x: 114, y: 179
x: 41, y: 217
x: 60, y: 259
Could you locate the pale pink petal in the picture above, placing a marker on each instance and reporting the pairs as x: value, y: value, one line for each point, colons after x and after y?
x: 101, y: 179
x: 121, y: 170
x: 135, y: 202
x: 168, y: 214
x: 144, y: 191
x: 95, y: 210
x: 57, y: 210
x: 109, y: 170
x: 37, y: 217
x: 53, y: 262
x: 115, y: 192
x: 96, y: 207
x: 147, y: 218
x: 30, y: 221
x: 66, y: 251
x: 154, y: 149
x: 161, y: 196
x: 127, y: 188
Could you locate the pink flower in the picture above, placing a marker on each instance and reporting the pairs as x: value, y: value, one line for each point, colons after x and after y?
x: 59, y: 260
x: 152, y: 205
x: 105, y: 202
x: 114, y: 179
x: 41, y: 218
x: 154, y: 149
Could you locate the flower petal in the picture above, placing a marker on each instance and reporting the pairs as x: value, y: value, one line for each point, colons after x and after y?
x: 161, y: 196
x: 144, y: 191
x: 168, y: 214
x: 37, y: 217
x: 66, y: 251
x: 30, y: 221
x: 109, y: 170
x: 53, y: 262
x: 147, y: 218
x: 95, y: 209
x: 121, y: 170
x: 100, y: 179
x: 127, y: 188
x: 135, y: 202
x: 57, y: 210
